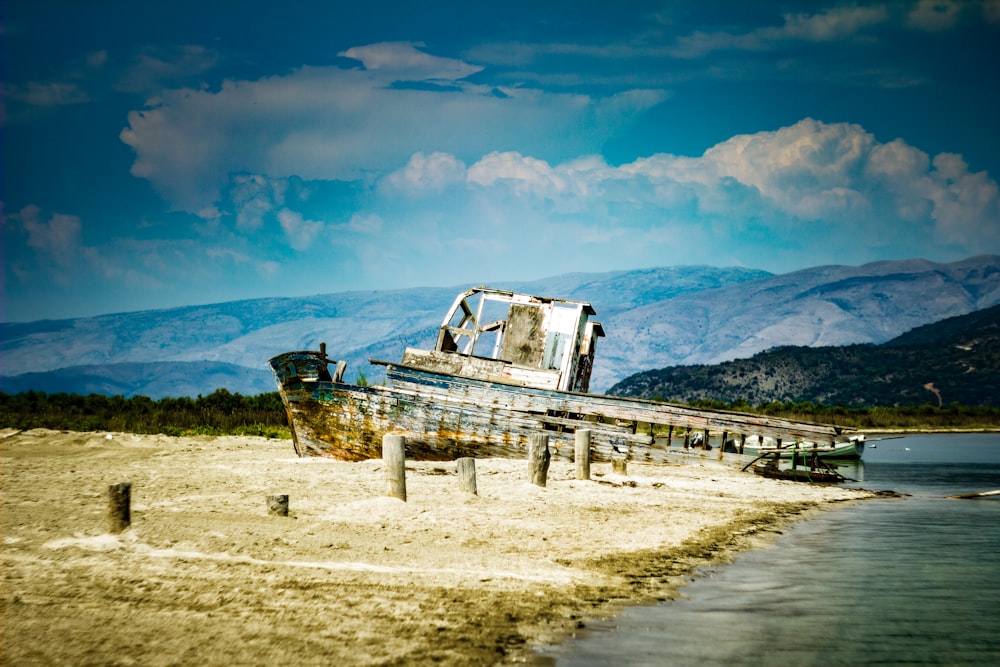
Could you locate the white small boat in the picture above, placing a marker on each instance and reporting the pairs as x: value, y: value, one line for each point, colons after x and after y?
x: 851, y: 449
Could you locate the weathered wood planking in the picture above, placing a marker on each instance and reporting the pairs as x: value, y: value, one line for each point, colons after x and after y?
x: 348, y: 422
x: 527, y: 399
x: 445, y: 417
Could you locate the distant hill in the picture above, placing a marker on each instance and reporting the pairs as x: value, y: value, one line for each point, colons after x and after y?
x: 654, y: 318
x: 956, y: 360
x: 827, y: 305
x: 198, y: 349
x: 173, y: 379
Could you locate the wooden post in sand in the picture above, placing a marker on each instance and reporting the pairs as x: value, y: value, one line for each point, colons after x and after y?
x: 394, y: 458
x: 467, y: 474
x: 722, y: 447
x: 581, y: 453
x: 277, y: 505
x: 119, y: 507
x: 619, y: 466
x: 538, y: 458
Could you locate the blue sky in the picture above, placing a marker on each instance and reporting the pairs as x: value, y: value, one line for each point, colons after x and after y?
x: 160, y: 154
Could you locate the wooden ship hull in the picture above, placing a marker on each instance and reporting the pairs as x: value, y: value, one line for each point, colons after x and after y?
x: 530, y: 377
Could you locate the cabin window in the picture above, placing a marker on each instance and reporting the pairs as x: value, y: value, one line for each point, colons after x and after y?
x: 492, y: 322
x: 461, y: 330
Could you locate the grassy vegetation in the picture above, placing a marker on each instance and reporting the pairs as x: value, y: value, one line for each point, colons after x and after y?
x: 225, y: 413
x: 219, y: 413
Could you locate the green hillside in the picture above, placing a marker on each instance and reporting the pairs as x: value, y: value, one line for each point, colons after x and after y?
x: 956, y: 360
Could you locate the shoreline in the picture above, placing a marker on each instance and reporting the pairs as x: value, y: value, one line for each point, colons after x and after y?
x: 351, y: 575
x: 932, y: 431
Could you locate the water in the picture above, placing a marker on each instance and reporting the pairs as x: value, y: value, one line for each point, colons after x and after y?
x: 885, y: 582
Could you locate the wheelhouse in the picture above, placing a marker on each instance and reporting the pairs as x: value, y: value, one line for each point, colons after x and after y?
x: 504, y: 336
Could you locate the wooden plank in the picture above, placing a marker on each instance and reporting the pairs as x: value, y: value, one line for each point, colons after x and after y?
x: 613, y: 407
x: 445, y: 417
x: 345, y: 421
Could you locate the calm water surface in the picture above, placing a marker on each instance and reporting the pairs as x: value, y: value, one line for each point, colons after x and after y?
x: 914, y: 581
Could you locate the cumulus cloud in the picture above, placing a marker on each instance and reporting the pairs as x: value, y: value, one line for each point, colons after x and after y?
x: 253, y: 197
x: 427, y: 172
x: 808, y: 193
x: 787, y: 185
x: 299, y: 231
x: 524, y: 174
x: 966, y: 205
x: 330, y: 123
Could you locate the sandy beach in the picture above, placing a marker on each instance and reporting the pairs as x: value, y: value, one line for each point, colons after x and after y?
x: 205, y: 575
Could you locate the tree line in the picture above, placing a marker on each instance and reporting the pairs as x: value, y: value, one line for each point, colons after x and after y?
x: 220, y: 413
x: 225, y: 413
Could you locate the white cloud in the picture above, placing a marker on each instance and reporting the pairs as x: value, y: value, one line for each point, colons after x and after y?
x: 829, y: 25
x: 329, y: 123
x: 811, y: 183
x: 428, y: 172
x: 254, y: 197
x: 837, y: 23
x: 966, y: 205
x: 299, y: 232
x: 801, y: 195
x: 798, y: 167
x: 524, y: 174
x: 404, y: 60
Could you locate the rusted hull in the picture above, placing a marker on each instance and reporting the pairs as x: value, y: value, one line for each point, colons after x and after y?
x: 445, y: 417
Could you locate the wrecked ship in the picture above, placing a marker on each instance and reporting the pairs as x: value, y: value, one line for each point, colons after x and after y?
x: 505, y: 366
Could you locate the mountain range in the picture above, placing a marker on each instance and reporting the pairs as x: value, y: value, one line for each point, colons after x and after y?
x: 956, y: 360
x: 654, y: 318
